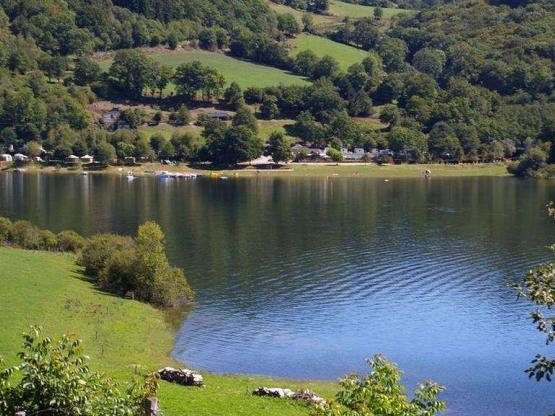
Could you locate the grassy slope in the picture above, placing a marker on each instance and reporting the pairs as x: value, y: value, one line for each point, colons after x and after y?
x: 344, y: 54
x: 337, y: 11
x: 342, y: 9
x: 265, y: 128
x: 246, y: 74
x: 49, y: 289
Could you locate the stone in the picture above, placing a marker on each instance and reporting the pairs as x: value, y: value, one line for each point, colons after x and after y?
x: 309, y: 397
x: 182, y: 376
x: 273, y: 392
x: 306, y: 396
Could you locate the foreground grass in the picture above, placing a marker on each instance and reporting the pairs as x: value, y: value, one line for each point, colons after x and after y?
x: 244, y: 73
x: 122, y: 336
x: 346, y: 55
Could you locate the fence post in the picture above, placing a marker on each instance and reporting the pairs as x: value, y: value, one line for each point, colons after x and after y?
x: 150, y: 406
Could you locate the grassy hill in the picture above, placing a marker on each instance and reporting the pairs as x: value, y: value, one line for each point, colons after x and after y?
x: 338, y: 10
x: 346, y: 55
x: 342, y: 9
x: 244, y: 73
x: 120, y: 335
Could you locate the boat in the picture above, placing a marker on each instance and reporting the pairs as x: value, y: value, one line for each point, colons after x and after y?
x: 130, y: 175
x: 187, y: 175
x: 84, y: 173
x: 223, y: 178
x: 166, y: 175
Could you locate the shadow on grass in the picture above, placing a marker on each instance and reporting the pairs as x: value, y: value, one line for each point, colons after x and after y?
x: 174, y: 316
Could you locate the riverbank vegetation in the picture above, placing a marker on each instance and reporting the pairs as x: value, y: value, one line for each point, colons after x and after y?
x: 136, y: 267
x: 123, y: 337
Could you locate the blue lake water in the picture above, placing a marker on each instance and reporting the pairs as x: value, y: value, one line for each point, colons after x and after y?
x: 305, y: 278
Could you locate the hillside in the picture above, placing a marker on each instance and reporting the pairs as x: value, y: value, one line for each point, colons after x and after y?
x: 346, y: 55
x: 244, y: 73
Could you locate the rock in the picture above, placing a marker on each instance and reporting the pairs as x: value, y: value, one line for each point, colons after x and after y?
x: 183, y: 376
x: 306, y: 396
x: 273, y: 392
x: 309, y: 397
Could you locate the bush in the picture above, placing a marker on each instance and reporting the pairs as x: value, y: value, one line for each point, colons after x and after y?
x: 381, y: 394
x: 335, y: 155
x: 117, y: 276
x: 5, y: 230
x: 70, y: 241
x: 254, y: 95
x: 98, y: 251
x: 121, y: 264
x: 154, y: 280
x: 53, y: 379
x: 26, y: 235
x: 48, y: 240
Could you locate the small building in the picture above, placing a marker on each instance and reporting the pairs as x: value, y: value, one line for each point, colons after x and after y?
x: 357, y: 154
x: 87, y: 159
x: 20, y: 157
x: 319, y: 153
x: 72, y: 159
x: 6, y: 158
x: 219, y: 115
x: 130, y: 160
x: 110, y: 118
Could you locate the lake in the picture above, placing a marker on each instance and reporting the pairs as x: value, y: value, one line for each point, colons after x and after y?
x: 305, y: 278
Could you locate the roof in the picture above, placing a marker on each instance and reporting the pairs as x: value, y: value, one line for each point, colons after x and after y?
x: 86, y: 157
x: 218, y: 114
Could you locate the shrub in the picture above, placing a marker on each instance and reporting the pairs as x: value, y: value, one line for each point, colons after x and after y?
x: 155, y: 281
x: 53, y: 378
x: 121, y: 264
x: 48, y: 240
x: 26, y: 235
x: 335, y: 155
x: 98, y: 250
x: 5, y: 230
x: 70, y: 241
x: 381, y: 394
x: 118, y: 274
x: 254, y: 95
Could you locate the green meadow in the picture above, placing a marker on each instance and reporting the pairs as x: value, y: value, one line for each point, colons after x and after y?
x: 344, y: 54
x: 342, y: 9
x: 244, y: 73
x: 337, y: 11
x: 122, y: 336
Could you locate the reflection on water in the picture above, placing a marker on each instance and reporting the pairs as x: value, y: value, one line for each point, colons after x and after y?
x: 307, y: 277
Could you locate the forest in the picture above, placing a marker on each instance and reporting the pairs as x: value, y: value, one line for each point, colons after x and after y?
x: 464, y: 81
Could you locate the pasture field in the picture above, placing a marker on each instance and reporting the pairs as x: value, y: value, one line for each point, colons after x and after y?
x: 346, y: 55
x: 342, y: 9
x: 244, y: 73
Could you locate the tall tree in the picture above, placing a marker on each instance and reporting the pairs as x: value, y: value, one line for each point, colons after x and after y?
x: 279, y: 147
x: 131, y: 72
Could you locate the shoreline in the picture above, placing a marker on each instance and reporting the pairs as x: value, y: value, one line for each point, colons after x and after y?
x: 297, y: 170
x: 124, y: 337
